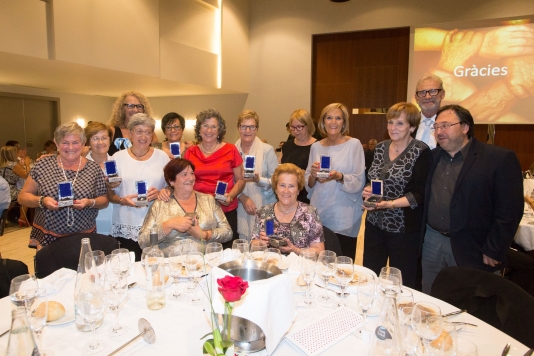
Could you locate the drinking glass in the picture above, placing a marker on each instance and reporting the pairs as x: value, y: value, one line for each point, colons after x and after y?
x: 115, y: 291
x: 465, y: 347
x: 436, y: 342
x: 37, y: 315
x: 188, y: 245
x: 366, y: 293
x: 95, y: 266
x: 344, y: 272
x: 325, y: 265
x: 122, y: 263
x: 391, y: 271
x: 257, y: 248
x: 194, y: 263
x: 272, y: 255
x: 308, y: 263
x: 175, y: 267
x: 404, y: 299
x: 410, y: 339
x: 240, y: 249
x: 420, y: 313
x: 214, y: 253
x: 22, y: 290
x: 91, y: 305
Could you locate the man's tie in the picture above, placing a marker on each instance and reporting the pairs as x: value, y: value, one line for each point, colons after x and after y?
x: 426, y: 133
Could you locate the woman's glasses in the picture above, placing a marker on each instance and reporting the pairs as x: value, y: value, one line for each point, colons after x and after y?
x: 297, y: 128
x: 140, y: 107
x: 173, y: 128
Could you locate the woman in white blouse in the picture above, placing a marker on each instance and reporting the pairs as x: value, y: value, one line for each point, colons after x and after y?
x: 258, y: 191
x: 140, y: 162
x: 338, y: 198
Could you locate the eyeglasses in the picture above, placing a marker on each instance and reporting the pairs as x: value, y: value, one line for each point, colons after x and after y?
x: 208, y: 127
x: 173, y: 128
x: 444, y: 126
x: 432, y: 92
x: 98, y: 139
x: 135, y: 106
x: 142, y: 132
x: 297, y: 128
x: 250, y: 127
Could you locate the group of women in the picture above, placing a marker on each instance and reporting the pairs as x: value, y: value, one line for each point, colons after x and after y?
x: 180, y: 191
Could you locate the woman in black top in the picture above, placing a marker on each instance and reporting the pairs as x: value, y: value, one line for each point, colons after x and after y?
x: 126, y: 105
x: 393, y: 227
x: 297, y: 150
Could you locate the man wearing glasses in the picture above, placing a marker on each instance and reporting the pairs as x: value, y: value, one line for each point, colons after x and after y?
x: 429, y: 93
x: 473, y: 199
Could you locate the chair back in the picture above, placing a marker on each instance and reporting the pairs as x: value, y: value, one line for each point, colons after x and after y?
x: 489, y: 297
x: 65, y: 252
x: 331, y: 242
x: 10, y: 269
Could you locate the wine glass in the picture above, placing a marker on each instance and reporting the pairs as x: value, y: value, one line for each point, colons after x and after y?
x: 122, y: 263
x: 240, y: 249
x: 188, y: 245
x: 366, y: 293
x: 90, y: 304
x: 95, y: 265
x: 22, y: 290
x: 175, y: 267
x: 308, y: 259
x: 38, y: 315
x: 194, y: 263
x: 272, y: 255
x: 404, y: 298
x: 257, y: 248
x: 115, y: 291
x: 344, y: 272
x: 409, y: 338
x: 385, y: 272
x: 437, y: 342
x: 465, y: 347
x: 325, y: 264
x: 420, y: 313
x: 213, y: 253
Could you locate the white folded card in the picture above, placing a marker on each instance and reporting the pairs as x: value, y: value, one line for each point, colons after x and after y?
x: 325, y: 332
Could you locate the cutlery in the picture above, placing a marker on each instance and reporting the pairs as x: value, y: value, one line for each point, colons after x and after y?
x: 506, y: 349
x: 5, y: 332
x: 453, y: 313
x: 529, y: 352
x: 145, y: 331
x: 131, y: 285
x: 463, y: 323
x: 331, y: 290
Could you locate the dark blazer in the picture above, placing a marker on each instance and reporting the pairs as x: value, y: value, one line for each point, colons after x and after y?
x: 487, y: 204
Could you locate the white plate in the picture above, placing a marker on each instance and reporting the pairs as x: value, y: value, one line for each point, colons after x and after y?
x: 353, y: 283
x: 65, y: 319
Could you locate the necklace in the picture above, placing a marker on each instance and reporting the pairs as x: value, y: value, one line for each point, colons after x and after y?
x: 70, y: 213
x: 139, y: 157
x: 396, y: 149
x: 287, y: 211
x: 206, y: 151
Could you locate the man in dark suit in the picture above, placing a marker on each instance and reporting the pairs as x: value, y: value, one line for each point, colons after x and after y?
x: 474, y: 199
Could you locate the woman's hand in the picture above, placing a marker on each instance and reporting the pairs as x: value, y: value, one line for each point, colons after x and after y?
x: 289, y: 248
x: 334, y: 175
x: 248, y: 204
x: 152, y: 194
x: 263, y: 237
x: 254, y: 179
x: 315, y: 169
x: 181, y: 223
x: 367, y: 192
x: 82, y: 203
x: 50, y: 203
x: 381, y: 205
x: 227, y: 201
x: 128, y: 200
x: 111, y: 185
x: 165, y: 194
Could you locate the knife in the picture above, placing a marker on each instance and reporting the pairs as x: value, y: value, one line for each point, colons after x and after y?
x: 453, y: 313
x: 529, y: 352
x: 506, y: 349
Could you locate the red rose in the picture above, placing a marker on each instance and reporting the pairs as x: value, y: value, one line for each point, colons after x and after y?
x: 232, y: 288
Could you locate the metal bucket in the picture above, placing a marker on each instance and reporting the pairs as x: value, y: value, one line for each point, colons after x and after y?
x: 246, y: 335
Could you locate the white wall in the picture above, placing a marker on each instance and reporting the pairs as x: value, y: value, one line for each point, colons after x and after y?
x: 281, y: 38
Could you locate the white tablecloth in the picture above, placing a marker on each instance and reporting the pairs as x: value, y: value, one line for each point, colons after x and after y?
x: 528, y: 186
x: 179, y: 326
x: 524, y: 236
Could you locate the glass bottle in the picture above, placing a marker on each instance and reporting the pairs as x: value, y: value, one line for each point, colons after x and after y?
x: 386, y: 337
x: 155, y: 272
x: 21, y: 341
x: 83, y: 280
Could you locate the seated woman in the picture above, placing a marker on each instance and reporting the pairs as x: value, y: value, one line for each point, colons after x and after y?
x: 296, y: 222
x: 209, y: 224
x: 13, y: 171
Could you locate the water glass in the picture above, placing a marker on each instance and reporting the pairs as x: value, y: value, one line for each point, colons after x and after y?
x: 344, y: 272
x: 196, y: 268
x: 240, y: 249
x: 257, y: 248
x: 325, y: 266
x: 90, y: 304
x: 214, y: 253
x: 308, y: 263
x: 115, y: 292
x: 122, y: 263
x: 175, y: 267
x: 465, y: 347
x: 37, y: 316
x: 273, y: 256
x: 22, y: 290
x: 420, y: 313
x: 95, y: 265
x: 366, y: 293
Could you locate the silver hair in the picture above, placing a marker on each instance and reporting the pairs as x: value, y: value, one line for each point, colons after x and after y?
x: 141, y: 119
x: 68, y: 128
x: 433, y: 77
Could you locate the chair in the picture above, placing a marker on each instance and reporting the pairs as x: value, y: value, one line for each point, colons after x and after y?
x: 331, y: 241
x: 65, y: 252
x: 489, y: 297
x: 3, y: 221
x: 10, y: 269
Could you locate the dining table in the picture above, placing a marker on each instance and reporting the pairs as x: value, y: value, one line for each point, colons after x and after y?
x: 179, y: 326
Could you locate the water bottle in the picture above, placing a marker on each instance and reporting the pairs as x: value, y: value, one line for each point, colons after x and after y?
x: 386, y: 338
x: 21, y: 341
x: 155, y: 272
x: 83, y: 279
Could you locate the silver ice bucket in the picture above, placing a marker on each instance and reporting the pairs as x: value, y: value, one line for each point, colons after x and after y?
x: 246, y: 335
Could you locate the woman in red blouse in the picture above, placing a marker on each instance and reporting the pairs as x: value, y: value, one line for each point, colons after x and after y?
x: 214, y: 161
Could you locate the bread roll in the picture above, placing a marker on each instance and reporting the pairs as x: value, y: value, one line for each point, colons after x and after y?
x: 443, y: 342
x: 56, y: 310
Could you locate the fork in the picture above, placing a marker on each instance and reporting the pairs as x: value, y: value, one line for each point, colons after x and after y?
x: 331, y: 290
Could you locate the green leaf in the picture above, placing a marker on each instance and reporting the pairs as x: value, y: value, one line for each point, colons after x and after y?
x: 208, y: 348
x: 227, y: 343
x: 208, y: 334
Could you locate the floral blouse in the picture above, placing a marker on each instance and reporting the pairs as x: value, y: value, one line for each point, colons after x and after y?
x: 305, y: 228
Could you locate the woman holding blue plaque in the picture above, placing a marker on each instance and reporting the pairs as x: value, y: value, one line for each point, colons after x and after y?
x: 335, y: 177
x: 80, y: 181
x: 260, y: 162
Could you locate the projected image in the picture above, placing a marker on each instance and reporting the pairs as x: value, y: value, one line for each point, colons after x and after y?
x: 487, y: 67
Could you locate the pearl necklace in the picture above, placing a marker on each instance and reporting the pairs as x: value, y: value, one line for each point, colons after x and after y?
x: 139, y: 157
x: 206, y: 151
x: 287, y: 211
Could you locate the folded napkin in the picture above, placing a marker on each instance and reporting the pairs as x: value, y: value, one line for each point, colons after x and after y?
x: 294, y: 267
x: 54, y: 282
x: 268, y: 303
